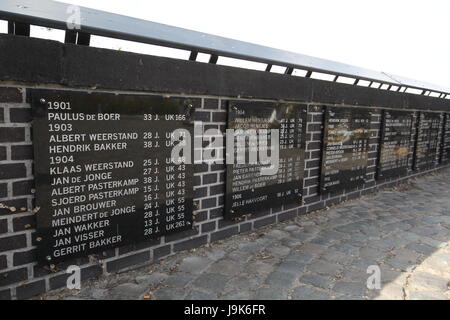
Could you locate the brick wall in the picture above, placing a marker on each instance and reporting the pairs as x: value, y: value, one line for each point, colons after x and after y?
x: 21, y: 277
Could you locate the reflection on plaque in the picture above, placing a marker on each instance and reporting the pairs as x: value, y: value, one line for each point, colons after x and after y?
x: 345, y: 148
x: 445, y: 154
x: 247, y: 190
x: 427, y: 140
x: 395, y: 143
x: 103, y: 170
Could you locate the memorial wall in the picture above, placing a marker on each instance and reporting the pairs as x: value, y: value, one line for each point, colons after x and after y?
x: 249, y: 191
x: 105, y: 176
x: 445, y: 151
x: 104, y: 173
x: 345, y: 149
x: 395, y: 144
x: 86, y: 170
x: 428, y: 140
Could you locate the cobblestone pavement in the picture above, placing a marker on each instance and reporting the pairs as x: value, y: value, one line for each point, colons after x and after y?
x: 322, y: 255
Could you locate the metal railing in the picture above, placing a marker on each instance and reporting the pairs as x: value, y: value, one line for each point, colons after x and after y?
x: 20, y: 14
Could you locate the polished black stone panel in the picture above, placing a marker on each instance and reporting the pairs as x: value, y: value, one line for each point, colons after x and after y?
x: 103, y: 170
x: 429, y: 132
x: 395, y: 144
x: 247, y: 191
x: 445, y: 152
x: 345, y: 149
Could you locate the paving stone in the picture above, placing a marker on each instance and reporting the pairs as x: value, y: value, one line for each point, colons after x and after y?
x: 291, y: 266
x: 345, y: 248
x: 420, y: 248
x: 259, y: 267
x: 277, y: 234
x: 179, y: 279
x: 364, y: 263
x: 440, y: 236
x: 316, y: 280
x: 128, y: 291
x: 194, y: 264
x: 371, y: 253
x: 309, y: 293
x: 395, y: 227
x: 349, y: 228
x: 391, y: 291
x: 354, y: 289
x: 291, y: 228
x: 354, y: 274
x: 74, y: 298
x: 373, y: 232
x: 324, y: 241
x: 291, y: 242
x: 211, y: 282
x: 442, y: 260
x: 347, y: 297
x: 388, y: 274
x: 228, y: 267
x: 251, y: 247
x: 270, y: 294
x: 400, y: 263
x: 151, y: 279
x: 398, y: 241
x: 97, y: 294
x: 427, y: 295
x: 278, y: 250
x: 423, y: 231
x: 428, y: 281
x: 333, y: 236
x: 216, y: 254
x: 242, y: 283
x: 335, y: 256
x: 432, y: 243
x: 357, y: 239
x: 302, y: 236
x: 310, y: 228
x: 302, y: 257
x: 237, y: 295
x: 281, y: 279
x: 169, y: 294
x: 312, y: 248
x: 324, y: 267
x: 372, y: 294
x: 240, y: 256
x: 411, y: 237
x: 200, y: 295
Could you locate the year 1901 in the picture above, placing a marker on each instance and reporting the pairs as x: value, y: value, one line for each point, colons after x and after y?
x: 58, y: 105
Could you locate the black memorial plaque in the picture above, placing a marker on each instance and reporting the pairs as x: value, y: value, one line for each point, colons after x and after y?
x: 345, y: 148
x: 427, y: 140
x: 395, y: 142
x: 445, y: 150
x: 249, y: 192
x: 103, y: 170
